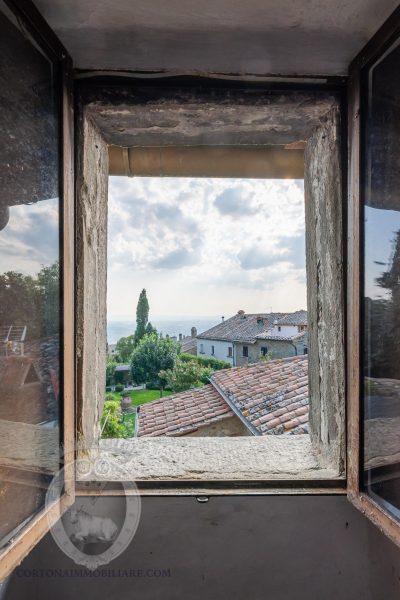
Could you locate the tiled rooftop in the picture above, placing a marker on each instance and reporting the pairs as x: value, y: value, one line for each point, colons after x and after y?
x: 244, y: 327
x: 241, y: 327
x: 183, y: 413
x: 272, y: 396
x: 188, y: 344
x: 282, y: 338
x: 297, y: 318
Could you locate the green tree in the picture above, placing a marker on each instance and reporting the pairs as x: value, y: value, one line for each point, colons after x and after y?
x: 150, y: 328
x: 32, y: 301
x: 110, y: 369
x: 48, y: 281
x: 184, y: 376
x: 142, y: 316
x: 153, y: 354
x: 20, y: 302
x: 124, y: 348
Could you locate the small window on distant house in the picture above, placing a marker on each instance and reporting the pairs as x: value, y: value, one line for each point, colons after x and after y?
x: 245, y: 351
x: 279, y: 328
x: 305, y: 351
x: 212, y: 350
x: 264, y: 351
x: 201, y: 348
x: 230, y: 352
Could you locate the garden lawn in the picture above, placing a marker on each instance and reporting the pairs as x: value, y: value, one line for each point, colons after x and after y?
x: 144, y: 396
x: 138, y: 397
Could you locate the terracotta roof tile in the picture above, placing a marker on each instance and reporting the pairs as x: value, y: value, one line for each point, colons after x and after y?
x: 271, y: 395
x: 183, y: 412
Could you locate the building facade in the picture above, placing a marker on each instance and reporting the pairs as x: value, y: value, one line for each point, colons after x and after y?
x: 247, y: 338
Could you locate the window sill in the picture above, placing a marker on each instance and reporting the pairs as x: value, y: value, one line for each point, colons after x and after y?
x: 213, y: 459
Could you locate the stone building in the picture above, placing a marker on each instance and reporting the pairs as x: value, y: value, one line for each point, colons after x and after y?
x: 247, y: 338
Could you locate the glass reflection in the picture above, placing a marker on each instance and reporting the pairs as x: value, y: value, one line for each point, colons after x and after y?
x: 29, y: 276
x: 382, y: 283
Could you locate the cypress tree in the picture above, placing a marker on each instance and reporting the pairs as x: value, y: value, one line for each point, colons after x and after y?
x: 142, y: 316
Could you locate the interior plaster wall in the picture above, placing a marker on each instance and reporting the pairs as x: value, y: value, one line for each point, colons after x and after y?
x: 317, y: 37
x: 275, y: 547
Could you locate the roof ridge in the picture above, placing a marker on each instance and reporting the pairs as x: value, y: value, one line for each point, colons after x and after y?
x: 253, y: 430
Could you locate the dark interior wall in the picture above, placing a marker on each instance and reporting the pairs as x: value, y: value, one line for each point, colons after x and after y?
x: 275, y: 547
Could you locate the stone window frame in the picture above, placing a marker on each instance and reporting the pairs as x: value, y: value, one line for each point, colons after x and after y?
x: 309, y: 118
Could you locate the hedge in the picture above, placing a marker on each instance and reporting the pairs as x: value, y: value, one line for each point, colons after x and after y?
x: 213, y: 363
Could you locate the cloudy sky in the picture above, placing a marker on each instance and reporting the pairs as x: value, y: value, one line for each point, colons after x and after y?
x: 30, y: 240
x: 205, y: 247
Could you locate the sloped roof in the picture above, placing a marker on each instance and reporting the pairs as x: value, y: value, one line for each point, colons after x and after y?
x: 183, y: 413
x: 296, y: 318
x: 188, y: 343
x: 282, y: 338
x: 272, y: 396
x: 248, y: 327
x: 269, y: 397
x: 241, y: 327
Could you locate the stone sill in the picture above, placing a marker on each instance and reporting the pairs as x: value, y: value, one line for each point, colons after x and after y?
x: 282, y: 457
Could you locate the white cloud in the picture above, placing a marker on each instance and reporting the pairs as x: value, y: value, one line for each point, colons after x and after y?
x: 31, y: 237
x: 202, y: 246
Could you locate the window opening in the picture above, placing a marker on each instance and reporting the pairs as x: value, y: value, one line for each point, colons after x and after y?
x: 181, y: 247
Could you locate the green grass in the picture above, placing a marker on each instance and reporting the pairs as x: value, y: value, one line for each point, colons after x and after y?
x: 138, y: 397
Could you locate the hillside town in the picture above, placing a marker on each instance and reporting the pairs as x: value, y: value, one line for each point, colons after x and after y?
x: 246, y: 375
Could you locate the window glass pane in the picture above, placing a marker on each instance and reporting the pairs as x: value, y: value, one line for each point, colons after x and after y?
x: 29, y: 276
x: 381, y: 332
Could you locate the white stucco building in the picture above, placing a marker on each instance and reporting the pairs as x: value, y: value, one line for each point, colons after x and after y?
x: 245, y: 338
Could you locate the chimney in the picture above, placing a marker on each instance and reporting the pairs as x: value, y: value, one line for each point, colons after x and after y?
x: 241, y: 314
x: 193, y: 332
x: 222, y: 318
x: 180, y: 337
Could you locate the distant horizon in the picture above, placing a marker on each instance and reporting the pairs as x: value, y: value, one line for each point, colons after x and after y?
x: 187, y: 317
x: 168, y: 325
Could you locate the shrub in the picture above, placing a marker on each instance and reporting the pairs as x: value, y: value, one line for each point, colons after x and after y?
x: 119, y: 387
x: 110, y: 423
x: 184, y: 376
x: 152, y: 385
x: 205, y: 374
x: 214, y: 363
x: 110, y: 372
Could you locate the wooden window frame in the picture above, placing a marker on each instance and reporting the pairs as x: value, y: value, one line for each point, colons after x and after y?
x: 20, y: 545
x: 381, y: 41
